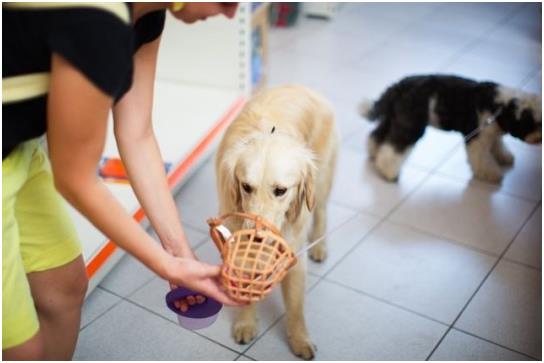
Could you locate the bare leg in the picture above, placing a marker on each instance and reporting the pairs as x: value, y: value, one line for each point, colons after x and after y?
x: 58, y: 294
x: 32, y: 349
x: 293, y: 288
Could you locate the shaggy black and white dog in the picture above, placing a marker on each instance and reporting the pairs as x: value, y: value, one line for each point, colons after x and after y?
x: 457, y: 104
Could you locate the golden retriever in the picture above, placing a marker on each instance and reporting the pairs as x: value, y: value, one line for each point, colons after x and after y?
x: 277, y: 160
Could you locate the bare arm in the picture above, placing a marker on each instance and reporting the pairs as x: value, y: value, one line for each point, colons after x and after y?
x: 141, y: 155
x: 76, y: 119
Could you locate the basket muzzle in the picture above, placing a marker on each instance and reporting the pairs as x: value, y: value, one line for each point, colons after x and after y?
x: 254, y: 260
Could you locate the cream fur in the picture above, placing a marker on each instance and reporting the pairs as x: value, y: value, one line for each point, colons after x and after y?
x: 300, y: 156
x: 389, y: 161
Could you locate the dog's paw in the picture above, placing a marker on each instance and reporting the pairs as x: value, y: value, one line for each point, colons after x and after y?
x: 388, y: 162
x: 318, y: 253
x: 490, y: 175
x: 244, y: 331
x: 303, y: 348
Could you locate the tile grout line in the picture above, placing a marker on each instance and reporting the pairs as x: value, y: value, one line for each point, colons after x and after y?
x: 484, y: 34
x: 523, y: 264
x: 385, y: 301
x: 388, y: 214
x: 494, y: 343
x: 354, y: 209
x: 104, y: 312
x: 462, y: 244
x: 484, y: 185
x: 257, y: 338
x: 390, y: 37
x: 380, y: 222
x: 529, y: 77
x: 126, y: 299
x: 481, y: 284
x: 196, y: 247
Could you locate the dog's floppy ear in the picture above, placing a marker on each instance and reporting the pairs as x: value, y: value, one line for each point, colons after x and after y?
x: 305, y: 195
x: 234, y: 192
x: 309, y: 189
x: 229, y: 185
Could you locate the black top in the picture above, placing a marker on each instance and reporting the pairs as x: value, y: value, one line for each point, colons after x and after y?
x: 99, y: 40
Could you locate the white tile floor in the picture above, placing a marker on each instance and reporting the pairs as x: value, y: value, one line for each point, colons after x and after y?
x: 438, y: 266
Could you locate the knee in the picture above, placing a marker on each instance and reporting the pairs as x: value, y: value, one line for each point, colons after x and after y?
x: 75, y: 289
x: 65, y: 297
x: 78, y: 288
x: 31, y: 350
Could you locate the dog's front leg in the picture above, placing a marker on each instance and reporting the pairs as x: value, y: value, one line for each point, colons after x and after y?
x: 245, y: 325
x: 501, y: 152
x: 481, y: 160
x: 293, y: 288
x: 318, y: 252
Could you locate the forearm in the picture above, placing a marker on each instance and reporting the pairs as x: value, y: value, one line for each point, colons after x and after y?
x: 93, y: 200
x: 145, y: 168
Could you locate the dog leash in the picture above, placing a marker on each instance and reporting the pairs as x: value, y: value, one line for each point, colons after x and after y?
x: 304, y: 249
x: 488, y: 121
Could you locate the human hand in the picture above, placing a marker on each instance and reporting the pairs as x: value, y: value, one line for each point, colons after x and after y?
x: 198, y: 276
x: 181, y: 249
x: 192, y: 12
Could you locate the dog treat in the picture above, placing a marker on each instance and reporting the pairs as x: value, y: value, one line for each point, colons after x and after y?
x: 254, y: 260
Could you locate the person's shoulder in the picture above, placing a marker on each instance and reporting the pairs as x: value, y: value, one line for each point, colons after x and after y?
x: 58, y: 10
x: 149, y: 27
x: 97, y: 39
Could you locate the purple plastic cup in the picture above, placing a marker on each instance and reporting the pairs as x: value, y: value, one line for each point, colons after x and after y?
x: 198, y: 316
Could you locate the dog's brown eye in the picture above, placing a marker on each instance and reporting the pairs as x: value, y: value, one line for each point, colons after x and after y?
x: 278, y: 191
x: 247, y: 188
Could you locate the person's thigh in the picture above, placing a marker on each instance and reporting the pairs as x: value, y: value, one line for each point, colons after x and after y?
x: 47, y: 234
x: 52, y: 260
x: 19, y: 318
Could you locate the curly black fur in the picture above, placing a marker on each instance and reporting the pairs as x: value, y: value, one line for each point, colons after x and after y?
x: 403, y: 109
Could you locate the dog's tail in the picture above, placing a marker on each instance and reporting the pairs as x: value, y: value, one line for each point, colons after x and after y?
x: 383, y: 106
x: 367, y: 109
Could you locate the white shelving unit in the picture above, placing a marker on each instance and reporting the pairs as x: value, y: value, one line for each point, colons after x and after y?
x: 322, y: 10
x: 203, y: 78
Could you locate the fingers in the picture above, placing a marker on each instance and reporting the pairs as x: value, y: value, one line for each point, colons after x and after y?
x: 212, y: 290
x: 211, y: 270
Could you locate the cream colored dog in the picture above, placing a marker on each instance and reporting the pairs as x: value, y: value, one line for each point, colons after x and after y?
x: 277, y: 160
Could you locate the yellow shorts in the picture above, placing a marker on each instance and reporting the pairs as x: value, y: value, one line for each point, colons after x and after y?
x: 37, y: 235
